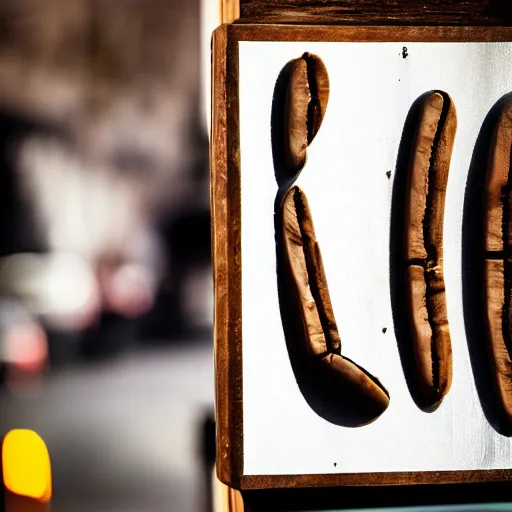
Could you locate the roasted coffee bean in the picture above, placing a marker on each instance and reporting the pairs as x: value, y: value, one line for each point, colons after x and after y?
x: 336, y: 381
x: 306, y: 100
x: 424, y: 288
x: 497, y: 272
x: 321, y: 337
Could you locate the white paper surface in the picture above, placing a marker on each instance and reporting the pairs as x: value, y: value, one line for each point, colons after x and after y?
x: 372, y: 88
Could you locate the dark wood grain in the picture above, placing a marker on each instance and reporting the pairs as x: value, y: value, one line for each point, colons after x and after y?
x: 234, y: 228
x: 323, y: 33
x: 378, y: 12
x: 225, y: 209
x: 373, y: 479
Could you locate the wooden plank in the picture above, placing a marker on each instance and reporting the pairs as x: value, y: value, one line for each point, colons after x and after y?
x: 323, y: 33
x: 365, y: 12
x: 225, y: 213
x: 372, y: 479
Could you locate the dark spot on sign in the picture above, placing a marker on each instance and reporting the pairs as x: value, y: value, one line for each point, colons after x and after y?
x: 404, y: 52
x: 335, y: 464
x: 388, y: 174
x: 384, y: 329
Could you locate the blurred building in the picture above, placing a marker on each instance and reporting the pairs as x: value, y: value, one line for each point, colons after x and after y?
x: 105, y: 246
x: 104, y: 186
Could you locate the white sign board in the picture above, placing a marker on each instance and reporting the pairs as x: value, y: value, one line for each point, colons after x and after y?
x: 372, y: 87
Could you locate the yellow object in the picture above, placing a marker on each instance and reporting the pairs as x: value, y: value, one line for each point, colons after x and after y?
x: 26, y: 465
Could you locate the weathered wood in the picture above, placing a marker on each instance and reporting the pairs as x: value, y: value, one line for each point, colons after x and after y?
x: 391, y: 12
x: 226, y: 252
x: 374, y: 479
x: 326, y: 33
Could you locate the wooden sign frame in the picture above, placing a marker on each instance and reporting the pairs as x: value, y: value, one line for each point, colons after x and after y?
x: 226, y: 246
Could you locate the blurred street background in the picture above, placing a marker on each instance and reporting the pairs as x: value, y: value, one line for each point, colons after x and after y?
x: 105, y: 272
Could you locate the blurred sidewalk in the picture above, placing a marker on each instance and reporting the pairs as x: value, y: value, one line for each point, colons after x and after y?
x: 123, y: 436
